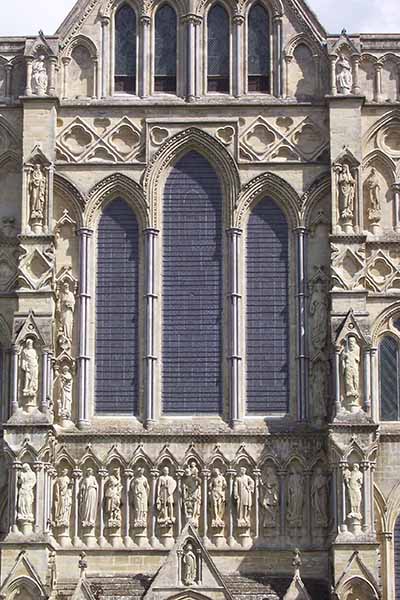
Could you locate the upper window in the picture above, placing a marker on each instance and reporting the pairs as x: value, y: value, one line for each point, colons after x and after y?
x: 258, y: 50
x: 389, y: 376
x: 218, y: 53
x: 125, y: 50
x: 165, y: 50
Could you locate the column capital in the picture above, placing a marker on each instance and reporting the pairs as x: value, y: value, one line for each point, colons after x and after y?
x: 192, y: 18
x: 85, y: 232
x: 105, y: 20
x: 238, y: 20
x: 145, y: 20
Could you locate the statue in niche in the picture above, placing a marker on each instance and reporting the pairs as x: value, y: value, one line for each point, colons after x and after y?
x: 347, y: 192
x: 191, y: 492
x: 319, y: 389
x: 344, y: 75
x: 189, y: 566
x: 26, y: 484
x: 295, y: 500
x: 65, y: 309
x: 112, y: 497
x: 88, y: 499
x: 351, y: 372
x: 140, y: 491
x: 64, y: 385
x: 319, y: 497
x: 62, y: 499
x: 30, y: 369
x: 217, y: 493
x: 374, y: 196
x: 166, y: 486
x: 37, y: 192
x: 354, y: 479
x: 270, y: 499
x: 243, y: 490
x: 319, y: 314
x: 40, y: 80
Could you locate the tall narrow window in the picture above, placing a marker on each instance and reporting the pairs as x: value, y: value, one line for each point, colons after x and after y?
x: 267, y: 310
x: 396, y: 540
x: 117, y: 311
x: 192, y: 289
x: 165, y: 50
x: 389, y: 371
x: 125, y: 50
x: 218, y: 53
x: 258, y: 50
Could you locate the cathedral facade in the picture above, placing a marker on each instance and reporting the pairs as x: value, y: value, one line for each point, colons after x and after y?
x: 199, y: 306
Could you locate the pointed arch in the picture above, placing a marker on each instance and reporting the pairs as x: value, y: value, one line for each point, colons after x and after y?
x: 66, y: 188
x: 320, y: 187
x: 173, y: 149
x: 165, y: 48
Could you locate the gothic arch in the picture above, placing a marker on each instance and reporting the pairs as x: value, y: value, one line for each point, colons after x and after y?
x: 317, y: 190
x: 110, y: 188
x: 268, y: 184
x: 356, y: 585
x: 378, y: 156
x: 65, y: 187
x: 383, y: 317
x: 297, y: 40
x: 28, y: 585
x: 175, y: 148
x: 391, y: 117
x: 273, y: 7
x: 81, y: 40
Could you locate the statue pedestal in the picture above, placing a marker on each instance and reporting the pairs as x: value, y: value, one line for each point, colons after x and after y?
x: 355, y: 521
x: 26, y: 527
x: 244, y: 537
x: 375, y: 229
x: 167, y: 538
x: 140, y: 536
x: 88, y: 537
x: 352, y: 404
x: 347, y: 227
x: 63, y: 537
x: 115, y: 538
x: 37, y: 226
x: 218, y: 538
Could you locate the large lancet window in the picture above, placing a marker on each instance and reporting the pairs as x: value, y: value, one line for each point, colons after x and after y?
x: 389, y: 378
x: 218, y: 50
x: 125, y: 50
x: 165, y: 50
x: 396, y: 541
x: 117, y: 300
x: 267, y: 310
x: 192, y: 289
x: 258, y: 50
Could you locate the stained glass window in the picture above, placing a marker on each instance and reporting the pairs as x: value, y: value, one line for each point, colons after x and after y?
x: 165, y: 50
x: 258, y: 49
x: 218, y: 50
x: 389, y: 372
x: 125, y: 50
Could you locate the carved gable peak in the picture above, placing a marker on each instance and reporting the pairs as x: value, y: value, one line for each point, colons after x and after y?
x: 297, y: 590
x: 29, y: 329
x: 346, y: 156
x: 37, y: 155
x: 344, y: 42
x: 83, y: 590
x: 351, y: 327
x: 48, y: 46
x: 23, y: 571
x: 355, y: 569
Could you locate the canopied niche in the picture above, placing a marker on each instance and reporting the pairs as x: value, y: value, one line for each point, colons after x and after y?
x: 2, y: 80
x: 81, y: 73
x: 390, y: 79
x: 367, y: 77
x: 301, y: 73
x: 378, y: 197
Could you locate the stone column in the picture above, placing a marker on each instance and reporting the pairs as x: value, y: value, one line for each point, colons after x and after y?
x: 8, y: 69
x: 333, y: 59
x: 191, y: 21
x: 96, y: 91
x: 14, y: 367
x: 396, y: 191
x: 285, y: 80
x: 237, y: 83
x: 151, y: 299
x: 302, y: 360
x: 282, y: 502
x: 338, y: 401
x: 28, y: 88
x: 105, y: 51
x: 126, y: 534
x: 378, y: 75
x: 367, y: 380
x: 13, y: 487
x: 257, y: 477
x: 231, y: 473
x: 343, y: 519
x: 45, y: 376
x: 65, y: 62
x: 277, y: 87
x: 318, y: 82
x: 76, y: 475
x: 356, y: 83
x: 374, y: 384
x: 205, y: 475
x: 366, y: 516
x: 154, y: 475
x: 52, y: 76
x: 84, y: 359
x: 103, y: 474
x: 37, y: 467
x: 144, y: 89
x: 308, y: 507
x: 236, y: 411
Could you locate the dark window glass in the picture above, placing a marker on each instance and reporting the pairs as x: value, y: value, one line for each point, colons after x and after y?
x: 165, y: 50
x: 258, y: 49
x: 117, y: 311
x: 267, y: 310
x: 389, y: 379
x: 218, y: 50
x: 192, y: 289
x: 125, y: 50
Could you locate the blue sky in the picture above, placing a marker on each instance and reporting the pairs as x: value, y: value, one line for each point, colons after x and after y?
x: 26, y: 17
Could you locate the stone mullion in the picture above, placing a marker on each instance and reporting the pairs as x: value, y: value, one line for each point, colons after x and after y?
x: 8, y: 69
x: 151, y: 299
x: 204, y: 506
x: 105, y: 51
x: 396, y: 192
x: 126, y: 534
x: 76, y: 474
x: 65, y: 62
x: 302, y: 362
x: 144, y: 88
x: 154, y: 476
x: 277, y: 73
x: 235, y: 409
x: 237, y: 62
x: 84, y: 359
x: 231, y: 473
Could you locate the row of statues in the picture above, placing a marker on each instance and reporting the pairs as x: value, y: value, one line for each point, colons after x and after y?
x: 346, y: 184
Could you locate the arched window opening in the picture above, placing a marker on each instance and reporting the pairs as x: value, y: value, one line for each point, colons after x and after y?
x: 117, y: 304
x: 258, y: 50
x: 192, y: 289
x: 125, y: 50
x: 267, y: 310
x: 218, y: 52
x: 396, y: 542
x: 165, y: 50
x: 389, y: 378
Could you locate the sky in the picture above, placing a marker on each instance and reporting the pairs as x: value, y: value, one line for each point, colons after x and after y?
x: 26, y: 17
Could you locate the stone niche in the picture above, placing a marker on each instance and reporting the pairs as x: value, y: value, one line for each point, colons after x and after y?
x: 378, y: 205
x: 81, y: 73
x: 301, y: 73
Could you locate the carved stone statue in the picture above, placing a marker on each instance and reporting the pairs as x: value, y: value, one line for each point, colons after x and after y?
x: 344, y: 75
x: 374, y: 197
x: 112, y: 496
x: 243, y: 490
x: 319, y: 498
x: 166, y: 486
x: 62, y: 499
x: 88, y: 499
x: 140, y: 493
x: 270, y: 499
x: 189, y: 566
x: 37, y: 193
x: 351, y: 373
x: 30, y: 370
x: 26, y: 483
x: 319, y: 314
x: 354, y: 482
x: 65, y: 308
x: 191, y: 494
x: 295, y: 500
x: 40, y: 78
x: 64, y: 386
x: 217, y: 493
x: 347, y: 192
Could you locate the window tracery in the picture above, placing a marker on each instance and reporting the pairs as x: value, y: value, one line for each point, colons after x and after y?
x: 165, y: 50
x: 258, y: 50
x: 125, y: 50
x: 218, y: 50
